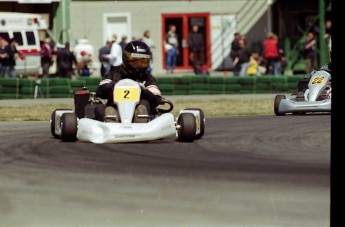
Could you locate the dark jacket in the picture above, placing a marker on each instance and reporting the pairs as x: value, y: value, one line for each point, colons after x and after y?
x: 235, y: 47
x: 105, y: 90
x: 195, y: 41
x: 65, y: 59
x: 10, y: 61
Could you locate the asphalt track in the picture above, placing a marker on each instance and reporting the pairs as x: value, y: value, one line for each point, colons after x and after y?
x: 248, y: 171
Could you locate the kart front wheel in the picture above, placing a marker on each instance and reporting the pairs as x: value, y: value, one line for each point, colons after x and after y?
x: 187, y: 126
x: 52, y: 122
x: 69, y: 127
x: 201, y: 121
x: 277, y: 101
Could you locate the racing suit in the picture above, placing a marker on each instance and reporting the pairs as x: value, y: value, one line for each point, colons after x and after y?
x: 148, y: 83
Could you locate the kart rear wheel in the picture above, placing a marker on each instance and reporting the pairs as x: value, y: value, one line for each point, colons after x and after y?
x: 186, y: 131
x: 52, y: 123
x: 69, y: 127
x: 202, y: 122
x: 277, y: 101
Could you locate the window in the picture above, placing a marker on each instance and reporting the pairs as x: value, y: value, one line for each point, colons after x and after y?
x: 5, y: 35
x: 18, y: 37
x: 30, y: 36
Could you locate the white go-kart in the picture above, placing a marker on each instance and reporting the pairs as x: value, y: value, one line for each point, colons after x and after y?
x: 84, y: 124
x: 315, y: 98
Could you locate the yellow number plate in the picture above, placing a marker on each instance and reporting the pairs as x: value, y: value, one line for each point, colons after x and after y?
x: 317, y: 80
x: 126, y: 94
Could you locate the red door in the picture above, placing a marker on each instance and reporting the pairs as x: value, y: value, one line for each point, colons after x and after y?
x: 183, y: 23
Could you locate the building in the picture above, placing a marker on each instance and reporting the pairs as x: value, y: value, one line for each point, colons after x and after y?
x: 218, y: 20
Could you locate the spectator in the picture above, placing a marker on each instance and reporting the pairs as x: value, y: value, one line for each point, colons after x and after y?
x: 86, y: 60
x: 65, y: 60
x: 147, y: 39
x: 12, y: 55
x: 115, y: 55
x: 235, y: 47
x: 254, y: 65
x: 242, y: 57
x: 105, y: 62
x: 123, y: 41
x: 3, y: 58
x: 281, y: 56
x: 196, y: 45
x: 171, y: 48
x: 271, y: 54
x: 328, y: 36
x: 309, y: 52
x: 46, y: 56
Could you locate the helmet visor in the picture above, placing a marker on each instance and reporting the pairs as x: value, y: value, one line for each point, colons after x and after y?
x: 137, y: 61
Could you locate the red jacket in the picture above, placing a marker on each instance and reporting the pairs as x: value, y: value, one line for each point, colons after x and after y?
x: 271, y: 48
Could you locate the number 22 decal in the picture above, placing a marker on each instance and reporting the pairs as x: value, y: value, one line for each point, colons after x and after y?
x: 317, y: 80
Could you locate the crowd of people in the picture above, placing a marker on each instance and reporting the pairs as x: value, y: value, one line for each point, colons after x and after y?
x: 249, y: 61
x: 8, y: 56
x: 69, y: 63
x: 267, y: 58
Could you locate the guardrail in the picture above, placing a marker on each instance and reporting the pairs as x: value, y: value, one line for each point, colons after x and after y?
x: 22, y: 88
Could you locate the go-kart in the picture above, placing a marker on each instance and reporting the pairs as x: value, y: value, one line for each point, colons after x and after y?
x: 314, y: 95
x: 87, y: 122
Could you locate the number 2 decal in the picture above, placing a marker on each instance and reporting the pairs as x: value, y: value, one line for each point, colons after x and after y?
x: 126, y: 96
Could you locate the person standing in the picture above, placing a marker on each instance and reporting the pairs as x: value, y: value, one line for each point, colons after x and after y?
x: 309, y: 52
x: 105, y: 63
x: 171, y: 47
x: 328, y: 36
x: 147, y: 39
x: 46, y: 57
x: 123, y: 42
x: 115, y: 55
x: 12, y: 55
x: 3, y: 57
x: 196, y: 48
x: 235, y: 47
x: 65, y: 59
x: 86, y: 61
x: 271, y: 54
x: 242, y: 58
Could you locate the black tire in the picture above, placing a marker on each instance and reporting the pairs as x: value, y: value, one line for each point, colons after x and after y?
x: 277, y: 101
x: 186, y: 132
x: 52, y: 123
x: 69, y: 127
x: 202, y: 122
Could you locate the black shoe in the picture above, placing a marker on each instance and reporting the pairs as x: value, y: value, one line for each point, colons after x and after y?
x: 141, y: 114
x: 111, y: 115
x: 300, y: 97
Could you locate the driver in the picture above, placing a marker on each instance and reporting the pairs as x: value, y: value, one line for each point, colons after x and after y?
x: 303, y: 83
x: 135, y: 63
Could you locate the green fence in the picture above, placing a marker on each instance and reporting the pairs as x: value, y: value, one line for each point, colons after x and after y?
x: 17, y: 88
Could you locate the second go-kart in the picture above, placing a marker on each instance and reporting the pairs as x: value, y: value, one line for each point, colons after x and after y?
x: 316, y: 97
x: 87, y: 122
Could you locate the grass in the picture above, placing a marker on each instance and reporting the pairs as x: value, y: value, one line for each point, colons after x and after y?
x: 223, y: 107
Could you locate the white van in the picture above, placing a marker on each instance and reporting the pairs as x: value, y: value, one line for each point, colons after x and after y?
x: 28, y: 30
